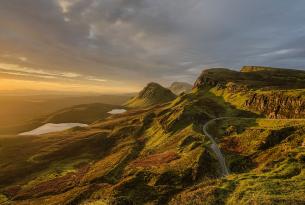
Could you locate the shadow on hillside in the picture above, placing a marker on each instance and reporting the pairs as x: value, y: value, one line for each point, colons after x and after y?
x: 222, y: 129
x: 230, y: 109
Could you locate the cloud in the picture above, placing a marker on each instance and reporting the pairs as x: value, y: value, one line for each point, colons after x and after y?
x: 32, y: 71
x: 67, y: 4
x: 132, y: 42
x: 15, y: 69
x: 12, y: 73
x: 23, y: 58
x: 92, y: 78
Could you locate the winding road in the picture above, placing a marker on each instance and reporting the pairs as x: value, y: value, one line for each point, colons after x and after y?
x: 214, y: 146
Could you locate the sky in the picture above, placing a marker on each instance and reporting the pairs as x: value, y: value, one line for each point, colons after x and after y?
x: 116, y: 46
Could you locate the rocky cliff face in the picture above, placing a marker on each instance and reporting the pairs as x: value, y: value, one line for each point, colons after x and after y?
x: 277, y: 105
x: 274, y: 92
x: 216, y: 77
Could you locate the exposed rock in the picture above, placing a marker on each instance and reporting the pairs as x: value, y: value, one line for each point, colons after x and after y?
x: 254, y: 84
x: 277, y: 105
x: 215, y: 77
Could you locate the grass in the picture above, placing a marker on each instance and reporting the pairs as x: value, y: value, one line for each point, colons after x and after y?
x: 275, y: 175
x: 3, y: 198
x: 259, y: 90
x: 159, y: 155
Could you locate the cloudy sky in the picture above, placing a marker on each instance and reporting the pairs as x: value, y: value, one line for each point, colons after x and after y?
x: 120, y: 45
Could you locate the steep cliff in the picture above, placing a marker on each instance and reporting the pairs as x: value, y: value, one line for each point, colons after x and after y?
x: 273, y: 92
x: 253, y: 77
x: 277, y: 105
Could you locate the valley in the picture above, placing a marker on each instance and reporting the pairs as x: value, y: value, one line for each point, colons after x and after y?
x: 23, y: 113
x: 142, y: 102
x: 238, y: 137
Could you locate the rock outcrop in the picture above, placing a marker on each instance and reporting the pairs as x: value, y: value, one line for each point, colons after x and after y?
x: 277, y: 105
x: 216, y: 77
x: 273, y: 92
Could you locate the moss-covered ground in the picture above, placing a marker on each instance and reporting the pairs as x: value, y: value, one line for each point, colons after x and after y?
x: 266, y: 160
x: 159, y: 155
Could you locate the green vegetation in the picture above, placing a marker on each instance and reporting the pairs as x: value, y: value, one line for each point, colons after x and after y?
x: 270, y: 92
x: 261, y: 174
x: 159, y: 154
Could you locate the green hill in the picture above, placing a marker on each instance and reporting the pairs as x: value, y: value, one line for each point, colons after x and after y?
x: 272, y: 92
x: 87, y: 113
x: 152, y: 94
x: 160, y: 154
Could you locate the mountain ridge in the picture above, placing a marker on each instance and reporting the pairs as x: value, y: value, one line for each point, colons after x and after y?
x: 161, y: 154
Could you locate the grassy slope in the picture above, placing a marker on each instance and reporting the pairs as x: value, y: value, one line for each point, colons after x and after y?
x: 158, y: 155
x: 160, y: 150
x: 267, y: 91
x: 267, y: 161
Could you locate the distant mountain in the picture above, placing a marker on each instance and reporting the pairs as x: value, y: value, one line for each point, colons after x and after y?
x: 180, y: 87
x: 152, y: 94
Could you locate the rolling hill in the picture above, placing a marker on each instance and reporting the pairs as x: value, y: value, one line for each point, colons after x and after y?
x: 87, y: 113
x: 161, y: 154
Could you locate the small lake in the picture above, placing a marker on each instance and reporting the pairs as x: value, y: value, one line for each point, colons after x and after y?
x: 50, y: 127
x: 117, y: 111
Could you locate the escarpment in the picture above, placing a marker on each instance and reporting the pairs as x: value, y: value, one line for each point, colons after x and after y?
x: 216, y: 77
x: 272, y: 92
x: 277, y: 105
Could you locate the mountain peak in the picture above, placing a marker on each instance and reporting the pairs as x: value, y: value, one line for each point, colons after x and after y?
x: 152, y: 94
x: 180, y: 87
